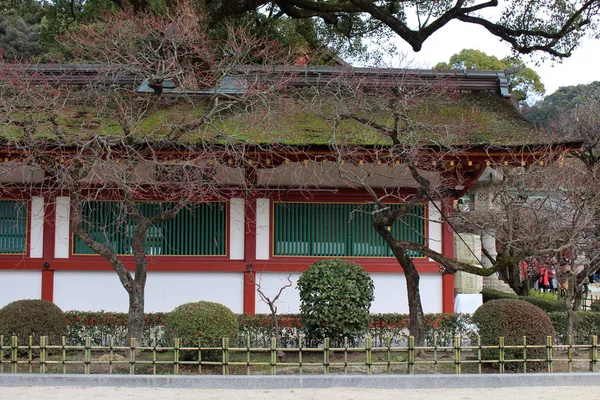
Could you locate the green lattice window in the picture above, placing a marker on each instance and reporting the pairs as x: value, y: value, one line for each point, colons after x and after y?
x: 338, y: 230
x: 198, y: 230
x: 13, y: 227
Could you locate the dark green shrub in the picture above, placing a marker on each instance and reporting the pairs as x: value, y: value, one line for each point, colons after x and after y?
x: 585, y: 325
x: 491, y: 294
x: 548, y: 304
x: 204, y: 323
x: 512, y: 319
x: 335, y: 297
x: 24, y: 318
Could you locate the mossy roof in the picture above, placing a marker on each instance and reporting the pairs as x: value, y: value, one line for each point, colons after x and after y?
x: 467, y: 118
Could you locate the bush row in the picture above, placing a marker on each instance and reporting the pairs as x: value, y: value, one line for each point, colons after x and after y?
x: 101, y: 326
x: 546, y: 303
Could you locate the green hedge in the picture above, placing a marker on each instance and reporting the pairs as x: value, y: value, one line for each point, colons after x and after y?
x: 546, y: 303
x: 491, y: 294
x: 585, y: 324
x: 101, y: 326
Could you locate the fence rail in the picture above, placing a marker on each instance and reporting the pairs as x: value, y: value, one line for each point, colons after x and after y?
x: 44, y: 358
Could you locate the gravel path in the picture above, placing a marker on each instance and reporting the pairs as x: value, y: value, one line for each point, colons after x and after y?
x: 87, y: 393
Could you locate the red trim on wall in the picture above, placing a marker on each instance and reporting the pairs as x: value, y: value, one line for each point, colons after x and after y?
x: 249, y: 256
x: 249, y: 292
x: 49, y: 228
x: 448, y: 293
x: 448, y: 251
x: 48, y: 285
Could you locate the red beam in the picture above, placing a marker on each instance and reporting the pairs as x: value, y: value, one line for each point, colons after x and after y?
x: 48, y: 285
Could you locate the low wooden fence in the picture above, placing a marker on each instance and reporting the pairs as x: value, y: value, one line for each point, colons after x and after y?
x: 459, y: 358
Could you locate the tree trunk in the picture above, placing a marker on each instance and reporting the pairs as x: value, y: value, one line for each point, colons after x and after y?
x: 415, y: 308
x: 136, y: 313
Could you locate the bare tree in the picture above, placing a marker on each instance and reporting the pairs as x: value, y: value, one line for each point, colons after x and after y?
x: 415, y: 132
x: 270, y: 301
x: 102, y: 139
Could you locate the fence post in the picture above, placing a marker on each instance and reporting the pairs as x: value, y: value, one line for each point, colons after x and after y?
x: 524, y: 354
x: 132, y: 347
x: 570, y: 353
x: 200, y: 355
x: 176, y: 357
x: 1, y: 354
x: 368, y: 354
x: 63, y: 356
x: 154, y: 356
x: 457, y: 368
x: 501, y: 356
x: 345, y: 354
x: 549, y: 353
x: 326, y: 356
x: 14, y: 354
x: 247, y: 355
x: 273, y: 356
x: 593, y: 353
x: 43, y: 354
x: 87, y: 355
x: 30, y: 354
x: 300, y: 341
x: 225, y: 349
x: 411, y: 355
x: 479, y: 359
x: 389, y: 354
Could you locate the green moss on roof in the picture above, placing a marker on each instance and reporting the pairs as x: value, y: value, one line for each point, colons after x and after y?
x: 466, y: 118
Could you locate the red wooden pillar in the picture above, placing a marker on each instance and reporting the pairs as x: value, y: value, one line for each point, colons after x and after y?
x: 48, y: 248
x: 448, y: 251
x: 48, y: 285
x: 250, y: 256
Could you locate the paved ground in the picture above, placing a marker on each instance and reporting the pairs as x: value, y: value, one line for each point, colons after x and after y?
x: 102, y: 393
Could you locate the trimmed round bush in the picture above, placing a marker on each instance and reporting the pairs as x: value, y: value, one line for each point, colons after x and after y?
x: 512, y: 319
x: 36, y: 318
x: 335, y: 297
x: 201, y: 322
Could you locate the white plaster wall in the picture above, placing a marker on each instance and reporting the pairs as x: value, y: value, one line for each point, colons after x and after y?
x: 434, y: 227
x: 271, y: 282
x: 19, y: 285
x: 102, y: 290
x: 61, y: 238
x: 167, y: 290
x: 236, y: 228
x: 36, y: 246
x: 262, y: 229
x: 390, y: 293
x: 89, y: 291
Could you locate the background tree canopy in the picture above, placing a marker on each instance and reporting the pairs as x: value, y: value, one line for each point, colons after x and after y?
x: 521, y: 84
x: 564, y: 100
x: 550, y: 26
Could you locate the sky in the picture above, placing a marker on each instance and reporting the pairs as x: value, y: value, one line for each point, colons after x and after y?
x: 581, y: 68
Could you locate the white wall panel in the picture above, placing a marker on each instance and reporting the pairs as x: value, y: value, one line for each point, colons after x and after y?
x: 236, y: 229
x: 434, y: 227
x: 167, y: 290
x: 62, y: 237
x: 36, y: 246
x: 390, y: 293
x: 262, y: 229
x: 102, y: 290
x: 89, y: 291
x: 271, y: 282
x: 19, y: 285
